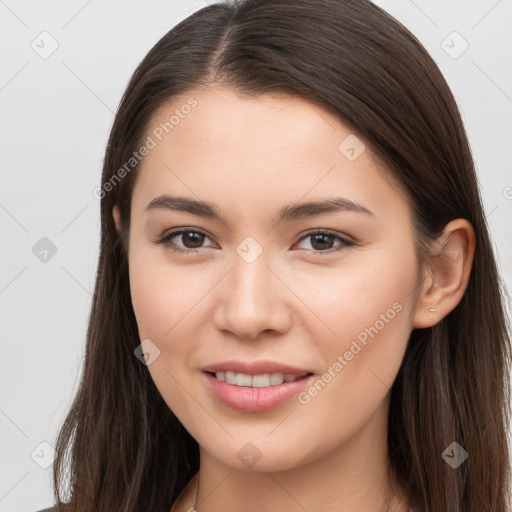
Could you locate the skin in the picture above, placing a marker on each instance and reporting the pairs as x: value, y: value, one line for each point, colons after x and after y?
x: 294, y: 303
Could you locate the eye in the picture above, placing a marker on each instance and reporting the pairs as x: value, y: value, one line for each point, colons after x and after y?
x: 192, y: 239
x: 321, y: 241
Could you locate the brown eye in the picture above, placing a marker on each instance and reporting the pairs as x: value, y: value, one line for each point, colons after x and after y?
x: 322, y: 241
x: 191, y: 239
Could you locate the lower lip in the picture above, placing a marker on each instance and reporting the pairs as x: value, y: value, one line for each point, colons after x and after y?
x: 249, y: 399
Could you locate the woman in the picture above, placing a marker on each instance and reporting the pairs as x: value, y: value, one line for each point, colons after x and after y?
x: 297, y: 305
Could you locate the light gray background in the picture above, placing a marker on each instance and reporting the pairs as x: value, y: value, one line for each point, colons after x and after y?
x: 55, y: 115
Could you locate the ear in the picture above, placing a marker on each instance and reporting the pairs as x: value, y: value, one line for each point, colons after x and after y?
x: 448, y: 274
x: 117, y: 217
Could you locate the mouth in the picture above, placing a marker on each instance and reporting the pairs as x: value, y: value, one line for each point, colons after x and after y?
x: 254, y: 393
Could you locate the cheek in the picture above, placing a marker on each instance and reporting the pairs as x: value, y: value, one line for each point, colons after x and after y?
x: 163, y: 299
x: 370, y: 313
x: 163, y: 295
x: 361, y: 364
x: 149, y: 296
x: 369, y: 299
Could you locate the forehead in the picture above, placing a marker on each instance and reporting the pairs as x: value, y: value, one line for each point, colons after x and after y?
x: 248, y: 123
x: 212, y: 141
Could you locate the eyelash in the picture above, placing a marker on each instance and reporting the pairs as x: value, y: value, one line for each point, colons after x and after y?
x: 165, y: 240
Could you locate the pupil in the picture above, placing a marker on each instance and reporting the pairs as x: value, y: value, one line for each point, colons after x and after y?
x: 320, y: 238
x: 190, y: 237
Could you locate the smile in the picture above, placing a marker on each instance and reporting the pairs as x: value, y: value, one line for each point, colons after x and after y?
x: 257, y: 381
x: 254, y: 393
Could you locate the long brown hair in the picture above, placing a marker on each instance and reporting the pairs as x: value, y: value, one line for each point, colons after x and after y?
x: 120, y: 447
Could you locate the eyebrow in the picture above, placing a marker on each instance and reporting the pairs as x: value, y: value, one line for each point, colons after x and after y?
x: 288, y: 213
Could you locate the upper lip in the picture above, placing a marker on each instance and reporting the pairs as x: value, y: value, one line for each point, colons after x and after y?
x: 255, y: 368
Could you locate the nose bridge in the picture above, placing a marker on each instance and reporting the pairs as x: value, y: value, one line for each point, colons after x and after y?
x: 251, y: 280
x: 252, y: 299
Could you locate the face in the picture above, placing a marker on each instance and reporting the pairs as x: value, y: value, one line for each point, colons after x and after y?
x: 325, y: 291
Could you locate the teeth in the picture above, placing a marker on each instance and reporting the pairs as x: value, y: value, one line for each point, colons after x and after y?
x: 243, y: 380
x: 256, y: 381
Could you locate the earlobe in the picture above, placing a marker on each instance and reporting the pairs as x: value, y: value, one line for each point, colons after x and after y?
x: 117, y: 217
x: 448, y: 277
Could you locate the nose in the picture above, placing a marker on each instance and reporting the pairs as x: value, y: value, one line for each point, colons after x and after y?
x: 252, y: 299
